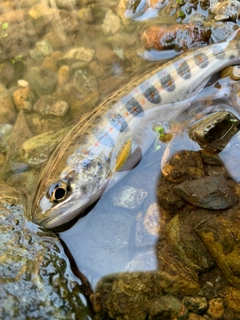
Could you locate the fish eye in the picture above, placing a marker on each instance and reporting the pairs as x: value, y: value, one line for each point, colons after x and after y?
x: 58, y: 191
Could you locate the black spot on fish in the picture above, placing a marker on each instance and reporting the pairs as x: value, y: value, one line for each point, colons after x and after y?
x: 152, y: 95
x: 134, y: 107
x: 167, y: 83
x: 183, y: 70
x: 201, y: 60
x: 117, y: 121
x: 232, y: 56
x: 103, y: 137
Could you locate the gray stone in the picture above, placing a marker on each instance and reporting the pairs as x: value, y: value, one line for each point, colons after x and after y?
x: 48, y: 105
x: 210, y: 192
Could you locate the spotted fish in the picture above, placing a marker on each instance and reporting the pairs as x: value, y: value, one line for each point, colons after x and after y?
x: 79, y: 170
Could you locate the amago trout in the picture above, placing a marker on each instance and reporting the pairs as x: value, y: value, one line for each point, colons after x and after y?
x: 79, y: 170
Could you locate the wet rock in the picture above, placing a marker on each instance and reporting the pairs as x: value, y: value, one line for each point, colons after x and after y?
x: 222, y: 30
x: 111, y: 23
x: 152, y: 221
x: 23, y: 98
x: 232, y: 298
x: 5, y: 136
x: 16, y: 40
x: 187, y: 245
x: 20, y: 133
x: 174, y: 277
x: 210, y: 192
x: 7, y: 111
x: 221, y: 235
x: 167, y: 198
x: 128, y: 197
x: 50, y: 63
x: 106, y: 55
x: 85, y: 14
x: 2, y: 159
x: 37, y: 150
x: 84, y: 81
x: 216, y: 308
x: 7, y: 73
x: 233, y: 72
x: 63, y: 75
x: 167, y: 307
x: 44, y: 48
x: 128, y: 295
x: 57, y: 40
x: 182, y: 165
x: 34, y: 268
x: 66, y: 4
x: 177, y: 37
x: 225, y: 10
x: 48, y: 105
x: 79, y: 54
x: 215, y: 131
x: 42, y: 80
x: 40, y: 16
x: 195, y: 304
x: 39, y: 124
x: 193, y: 316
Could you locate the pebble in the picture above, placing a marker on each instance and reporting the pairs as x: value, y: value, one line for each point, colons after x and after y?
x: 23, y: 98
x: 42, y: 80
x: 7, y: 111
x: 111, y: 23
x: 48, y: 105
x: 79, y: 54
x: 167, y: 307
x: 216, y: 308
x: 44, y: 47
x: 210, y: 192
x: 63, y: 75
x: 37, y: 150
x: 5, y: 135
x: 195, y: 304
x: 152, y: 221
x: 181, y: 165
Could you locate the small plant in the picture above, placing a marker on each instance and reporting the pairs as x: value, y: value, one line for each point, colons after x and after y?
x: 160, y: 134
x: 17, y: 58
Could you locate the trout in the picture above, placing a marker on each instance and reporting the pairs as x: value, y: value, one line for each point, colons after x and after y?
x: 81, y: 167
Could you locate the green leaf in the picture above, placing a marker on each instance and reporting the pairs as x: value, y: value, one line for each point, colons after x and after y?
x: 4, y: 25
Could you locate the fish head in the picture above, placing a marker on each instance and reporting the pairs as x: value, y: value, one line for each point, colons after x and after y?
x: 61, y: 198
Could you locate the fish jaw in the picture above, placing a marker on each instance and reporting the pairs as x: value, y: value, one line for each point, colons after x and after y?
x: 83, y: 186
x: 62, y: 213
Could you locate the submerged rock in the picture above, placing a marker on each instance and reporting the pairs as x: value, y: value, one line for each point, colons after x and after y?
x: 48, y: 105
x: 37, y: 150
x: 215, y: 131
x: 35, y: 276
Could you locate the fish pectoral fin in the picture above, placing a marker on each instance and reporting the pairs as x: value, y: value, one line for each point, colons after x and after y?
x: 128, y: 156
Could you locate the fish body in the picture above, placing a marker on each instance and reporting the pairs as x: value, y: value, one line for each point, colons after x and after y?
x: 79, y: 170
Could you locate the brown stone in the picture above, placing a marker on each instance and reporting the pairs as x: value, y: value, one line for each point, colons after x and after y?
x: 216, y: 308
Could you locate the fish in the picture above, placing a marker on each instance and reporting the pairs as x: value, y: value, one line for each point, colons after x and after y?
x: 85, y: 161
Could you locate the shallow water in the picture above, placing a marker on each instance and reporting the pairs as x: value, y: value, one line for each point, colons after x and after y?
x: 110, y: 239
